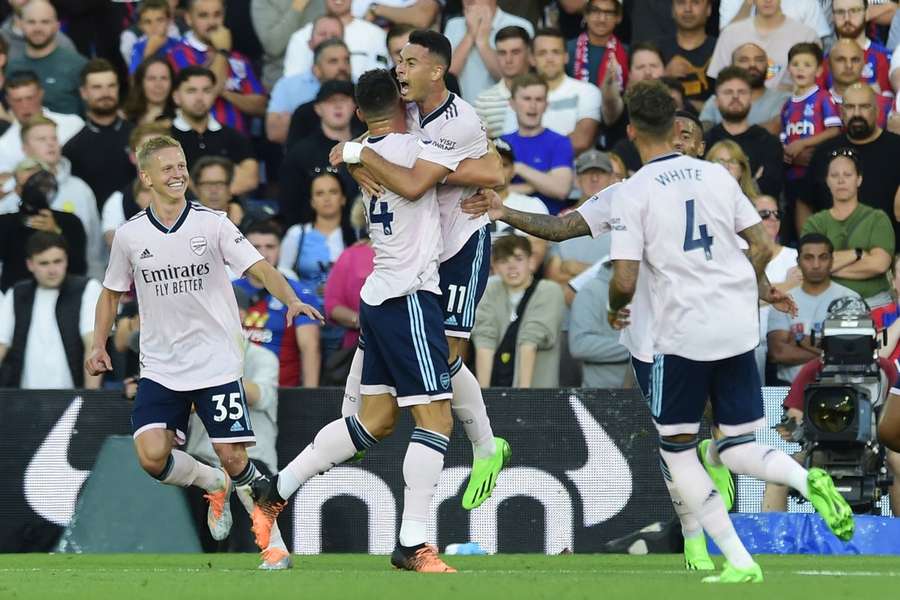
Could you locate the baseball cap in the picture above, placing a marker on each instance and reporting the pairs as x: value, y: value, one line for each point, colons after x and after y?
x: 333, y: 87
x: 593, y: 159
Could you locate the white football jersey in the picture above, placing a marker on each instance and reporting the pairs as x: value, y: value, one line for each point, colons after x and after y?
x: 638, y: 336
x: 680, y: 219
x: 406, y: 235
x: 190, y: 330
x: 452, y: 133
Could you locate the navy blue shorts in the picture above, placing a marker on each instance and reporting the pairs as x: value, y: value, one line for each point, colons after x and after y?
x: 463, y: 279
x: 222, y: 409
x: 405, y: 350
x: 679, y: 388
x: 642, y: 376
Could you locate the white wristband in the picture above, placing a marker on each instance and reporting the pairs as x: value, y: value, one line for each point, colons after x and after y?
x: 351, y: 153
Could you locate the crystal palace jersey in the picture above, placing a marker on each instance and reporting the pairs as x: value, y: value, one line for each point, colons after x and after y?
x: 806, y: 116
x: 190, y: 330
x: 876, y: 68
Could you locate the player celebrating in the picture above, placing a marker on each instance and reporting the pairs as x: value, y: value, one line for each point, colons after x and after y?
x: 452, y: 133
x: 405, y: 363
x: 680, y: 217
x: 175, y: 253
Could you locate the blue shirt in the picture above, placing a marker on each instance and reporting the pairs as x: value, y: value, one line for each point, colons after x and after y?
x: 137, y: 52
x: 546, y: 151
x: 292, y: 91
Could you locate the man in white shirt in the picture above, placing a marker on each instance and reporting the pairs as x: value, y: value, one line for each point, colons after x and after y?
x: 513, y: 59
x: 474, y: 51
x: 367, y: 43
x: 46, y: 323
x: 809, y: 12
x: 573, y: 107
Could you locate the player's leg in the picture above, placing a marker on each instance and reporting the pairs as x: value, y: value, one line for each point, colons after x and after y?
x: 738, y: 406
x: 350, y: 405
x: 463, y: 279
x: 893, y: 461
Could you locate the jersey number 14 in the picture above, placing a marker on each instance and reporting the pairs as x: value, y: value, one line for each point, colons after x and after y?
x: 705, y: 241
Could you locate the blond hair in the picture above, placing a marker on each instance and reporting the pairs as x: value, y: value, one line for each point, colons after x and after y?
x: 746, y: 181
x: 35, y: 121
x: 152, y: 146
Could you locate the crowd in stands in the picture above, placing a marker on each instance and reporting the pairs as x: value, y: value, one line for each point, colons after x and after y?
x: 795, y: 98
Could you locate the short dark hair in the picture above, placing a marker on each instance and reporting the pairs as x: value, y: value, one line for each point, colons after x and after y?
x: 616, y: 3
x: 146, y: 5
x: 506, y: 245
x: 18, y: 79
x: 326, y: 44
x: 265, y: 227
x: 646, y: 47
x: 41, y: 241
x: 397, y: 30
x: 436, y: 43
x: 731, y: 73
x: 97, y: 65
x: 377, y: 93
x: 512, y: 32
x: 685, y: 114
x: 548, y: 32
x: 650, y: 108
x: 205, y: 162
x: 192, y: 71
x: 814, y: 238
x: 806, y: 48
x: 525, y: 80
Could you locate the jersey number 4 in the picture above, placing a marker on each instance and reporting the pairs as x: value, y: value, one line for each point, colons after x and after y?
x: 384, y: 217
x: 705, y: 240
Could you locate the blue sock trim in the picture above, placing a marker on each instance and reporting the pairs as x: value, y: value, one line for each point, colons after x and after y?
x: 727, y: 443
x: 361, y: 344
x: 431, y: 439
x: 170, y: 462
x: 362, y: 439
x: 247, y: 475
x: 456, y: 366
x: 670, y: 446
x: 665, y: 469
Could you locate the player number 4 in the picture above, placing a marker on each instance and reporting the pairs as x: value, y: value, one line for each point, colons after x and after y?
x: 705, y: 240
x: 234, y: 411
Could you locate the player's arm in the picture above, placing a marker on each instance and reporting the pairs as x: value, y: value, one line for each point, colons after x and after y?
x: 483, y: 172
x: 98, y: 360
x: 547, y: 227
x: 278, y: 286
x: 622, y: 285
x: 410, y: 183
x: 310, y: 357
x: 91, y: 382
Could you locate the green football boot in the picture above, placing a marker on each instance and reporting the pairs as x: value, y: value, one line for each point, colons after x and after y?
x: 720, y: 475
x: 829, y: 503
x: 730, y: 574
x: 484, y: 475
x: 696, y: 555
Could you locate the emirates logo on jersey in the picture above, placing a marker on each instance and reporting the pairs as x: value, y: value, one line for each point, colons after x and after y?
x: 198, y: 245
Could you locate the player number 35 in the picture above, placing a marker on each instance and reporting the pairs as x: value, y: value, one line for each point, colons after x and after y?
x: 234, y: 410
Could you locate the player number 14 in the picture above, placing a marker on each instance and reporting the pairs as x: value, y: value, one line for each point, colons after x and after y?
x: 705, y: 241
x: 234, y: 411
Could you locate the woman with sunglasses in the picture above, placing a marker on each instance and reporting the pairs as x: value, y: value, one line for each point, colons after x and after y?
x: 863, y: 237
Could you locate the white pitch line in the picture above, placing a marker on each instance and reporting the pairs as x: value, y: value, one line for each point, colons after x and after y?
x: 851, y: 573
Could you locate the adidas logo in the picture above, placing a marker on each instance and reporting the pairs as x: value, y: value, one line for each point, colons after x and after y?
x: 451, y: 320
x: 146, y: 254
x: 237, y: 426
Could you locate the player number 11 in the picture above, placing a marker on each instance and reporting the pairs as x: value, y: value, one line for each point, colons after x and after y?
x: 705, y: 240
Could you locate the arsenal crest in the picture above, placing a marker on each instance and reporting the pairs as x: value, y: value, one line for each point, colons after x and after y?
x: 198, y: 245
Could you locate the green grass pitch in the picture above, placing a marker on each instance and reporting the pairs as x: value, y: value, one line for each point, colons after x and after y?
x: 220, y: 577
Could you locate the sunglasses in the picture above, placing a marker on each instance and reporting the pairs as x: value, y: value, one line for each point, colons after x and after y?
x: 770, y: 214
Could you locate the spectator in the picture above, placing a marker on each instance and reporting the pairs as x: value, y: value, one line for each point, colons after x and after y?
x: 544, y: 166
x: 418, y: 14
x: 850, y: 24
x: 175, y: 29
x: 765, y: 103
x: 731, y: 156
x: 769, y: 29
x: 311, y: 249
x: 513, y: 46
x: 47, y: 323
x: 811, y: 13
x: 789, y: 338
x: 159, y: 33
x: 688, y: 52
x: 237, y: 92
x: 150, y: 97
x: 604, y: 361
x: 133, y: 197
x: 57, y: 67
x: 275, y: 21
x: 573, y: 107
x: 334, y: 107
x: 517, y: 322
x: 650, y: 19
x: 201, y: 134
x: 35, y: 214
x: 597, y: 51
x: 99, y: 152
x: 331, y: 62
x: 862, y: 236
x: 5, y: 117
x: 25, y: 97
x: 645, y: 63
x: 876, y: 148
x: 211, y: 178
x: 346, y: 279
x: 298, y: 354
x: 846, y: 62
x: 11, y: 30
x: 472, y: 37
x: 761, y: 147
x: 367, y: 43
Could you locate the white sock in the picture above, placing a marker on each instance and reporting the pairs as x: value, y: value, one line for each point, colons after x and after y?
x: 690, y: 526
x: 335, y: 443
x: 422, y: 468
x: 184, y: 470
x: 351, y: 389
x: 767, y: 464
x: 468, y: 406
x: 245, y: 495
x: 702, y: 499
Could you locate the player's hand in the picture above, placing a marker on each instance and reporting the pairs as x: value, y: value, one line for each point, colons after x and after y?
x: 619, y: 319
x: 336, y: 156
x: 485, y: 201
x: 220, y: 38
x: 98, y: 362
x: 296, y: 308
x: 781, y: 302
x: 43, y: 221
x: 367, y: 182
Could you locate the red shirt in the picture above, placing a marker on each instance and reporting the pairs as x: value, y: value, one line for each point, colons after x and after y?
x: 808, y: 374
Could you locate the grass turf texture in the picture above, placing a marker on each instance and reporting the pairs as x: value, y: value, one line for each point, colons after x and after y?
x: 194, y: 576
